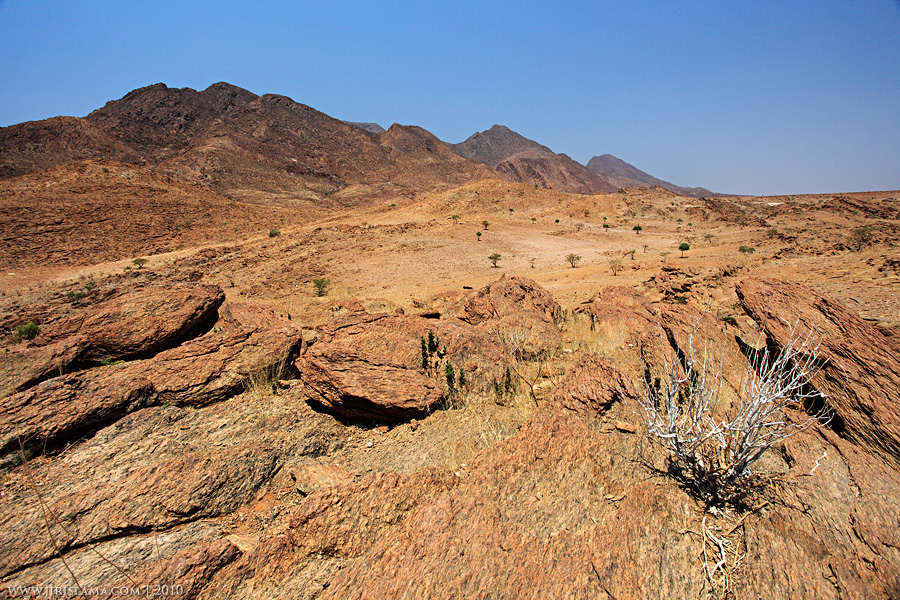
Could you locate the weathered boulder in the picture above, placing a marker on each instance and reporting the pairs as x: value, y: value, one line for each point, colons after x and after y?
x: 859, y: 374
x: 358, y: 385
x: 512, y: 307
x: 199, y: 372
x: 64, y: 409
x: 150, y: 496
x: 593, y: 385
x: 132, y: 324
x: 370, y: 366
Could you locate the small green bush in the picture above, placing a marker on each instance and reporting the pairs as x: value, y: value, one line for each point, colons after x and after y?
x: 274, y: 233
x: 28, y: 331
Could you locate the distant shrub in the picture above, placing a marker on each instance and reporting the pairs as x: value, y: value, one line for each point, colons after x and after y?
x: 861, y: 236
x: 139, y: 262
x: 746, y: 249
x: 494, y: 258
x: 274, y: 233
x: 573, y: 259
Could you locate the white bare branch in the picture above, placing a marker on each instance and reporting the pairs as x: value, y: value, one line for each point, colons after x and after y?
x: 715, y: 454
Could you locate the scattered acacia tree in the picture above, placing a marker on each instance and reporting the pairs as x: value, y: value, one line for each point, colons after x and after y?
x: 645, y: 248
x: 573, y: 259
x: 637, y: 229
x: 478, y: 235
x: 708, y: 237
x: 494, y: 258
x: 745, y: 250
x: 614, y: 265
x: 533, y: 220
x: 711, y: 454
x: 531, y: 262
x: 274, y: 233
x: 684, y: 247
x: 606, y: 227
x: 321, y: 284
x: 455, y: 218
x: 485, y: 223
x: 139, y: 262
x: 861, y: 236
x: 664, y: 254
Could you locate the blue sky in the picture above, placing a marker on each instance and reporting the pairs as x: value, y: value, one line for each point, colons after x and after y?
x: 764, y: 97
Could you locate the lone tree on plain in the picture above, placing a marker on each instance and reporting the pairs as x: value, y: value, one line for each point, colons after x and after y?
x: 746, y: 250
x: 606, y: 227
x: 478, y: 235
x: 494, y: 258
x: 614, y: 265
x: 321, y: 284
x: 637, y: 229
x: 485, y: 223
x: 139, y: 262
x: 664, y: 254
x: 684, y: 247
x: 573, y: 259
x: 455, y: 218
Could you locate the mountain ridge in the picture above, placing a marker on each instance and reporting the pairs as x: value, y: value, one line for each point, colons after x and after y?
x: 239, y: 143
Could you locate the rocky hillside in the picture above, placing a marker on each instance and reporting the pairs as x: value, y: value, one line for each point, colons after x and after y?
x: 620, y: 173
x: 235, y: 142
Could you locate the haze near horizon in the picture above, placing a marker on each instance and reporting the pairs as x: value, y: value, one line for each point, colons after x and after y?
x: 783, y: 98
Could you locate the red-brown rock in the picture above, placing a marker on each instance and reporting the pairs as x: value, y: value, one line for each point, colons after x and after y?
x: 370, y: 366
x: 133, y: 324
x: 593, y: 384
x: 859, y: 376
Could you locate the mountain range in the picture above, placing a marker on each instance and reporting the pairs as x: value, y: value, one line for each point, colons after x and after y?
x: 232, y: 141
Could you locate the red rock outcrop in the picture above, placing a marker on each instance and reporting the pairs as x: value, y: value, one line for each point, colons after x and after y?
x: 125, y: 325
x: 370, y: 366
x: 199, y: 372
x: 860, y: 364
x: 514, y: 306
x: 593, y: 384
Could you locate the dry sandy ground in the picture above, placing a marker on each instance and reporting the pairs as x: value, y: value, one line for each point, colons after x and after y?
x: 406, y: 252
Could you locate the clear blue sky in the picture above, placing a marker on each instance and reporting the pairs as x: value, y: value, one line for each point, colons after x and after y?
x: 751, y: 97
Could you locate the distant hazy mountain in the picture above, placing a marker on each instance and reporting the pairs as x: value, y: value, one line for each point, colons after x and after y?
x: 519, y: 159
x: 373, y: 127
x: 623, y: 175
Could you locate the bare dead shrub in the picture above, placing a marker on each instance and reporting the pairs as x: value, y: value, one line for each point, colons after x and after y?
x: 713, y: 454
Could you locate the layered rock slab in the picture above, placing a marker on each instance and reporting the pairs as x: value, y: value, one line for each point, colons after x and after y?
x: 197, y: 373
x: 124, y: 326
x: 860, y: 365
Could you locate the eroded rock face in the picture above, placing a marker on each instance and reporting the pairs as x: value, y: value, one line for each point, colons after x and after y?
x: 593, y: 384
x: 370, y: 366
x: 133, y: 324
x: 860, y: 376
x: 64, y: 409
x: 199, y: 372
x: 513, y: 306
